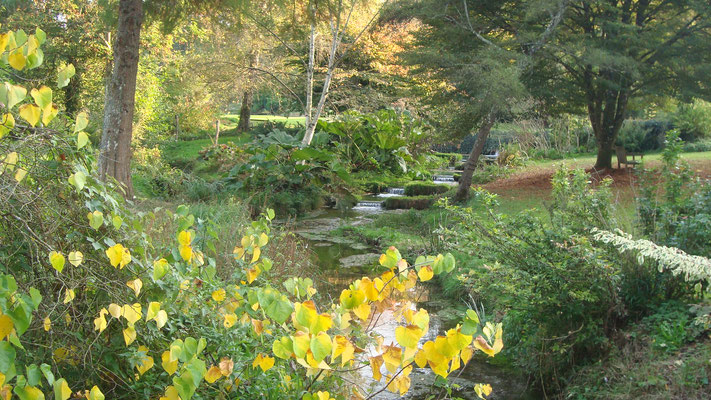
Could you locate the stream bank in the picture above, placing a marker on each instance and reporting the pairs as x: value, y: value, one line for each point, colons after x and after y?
x: 343, y: 259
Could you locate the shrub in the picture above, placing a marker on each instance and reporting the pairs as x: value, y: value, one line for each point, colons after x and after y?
x: 90, y: 302
x: 693, y: 120
x: 701, y: 145
x: 424, y: 189
x: 674, y: 208
x: 403, y: 202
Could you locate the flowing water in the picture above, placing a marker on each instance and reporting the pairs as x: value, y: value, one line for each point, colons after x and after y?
x: 342, y: 260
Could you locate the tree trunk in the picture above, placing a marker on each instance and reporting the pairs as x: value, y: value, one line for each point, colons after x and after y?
x: 245, y: 112
x: 217, y: 133
x: 313, y: 120
x: 604, y: 154
x: 465, y: 181
x: 115, y: 150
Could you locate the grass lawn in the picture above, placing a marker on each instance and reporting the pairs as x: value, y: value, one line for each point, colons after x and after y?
x: 231, y: 120
x: 184, y: 152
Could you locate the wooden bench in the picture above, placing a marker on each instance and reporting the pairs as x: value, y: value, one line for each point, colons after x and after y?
x: 622, y: 157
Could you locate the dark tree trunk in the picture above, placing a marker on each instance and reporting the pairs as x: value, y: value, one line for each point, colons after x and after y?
x: 115, y: 150
x: 71, y: 92
x: 245, y: 112
x: 465, y: 181
x: 607, y: 112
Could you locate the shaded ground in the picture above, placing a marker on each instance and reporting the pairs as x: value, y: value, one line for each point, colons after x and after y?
x: 537, y: 181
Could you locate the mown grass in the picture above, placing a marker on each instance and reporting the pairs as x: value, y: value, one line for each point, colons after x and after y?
x: 186, y: 152
x: 231, y: 120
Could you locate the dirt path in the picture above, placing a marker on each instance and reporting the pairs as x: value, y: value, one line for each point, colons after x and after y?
x: 537, y: 182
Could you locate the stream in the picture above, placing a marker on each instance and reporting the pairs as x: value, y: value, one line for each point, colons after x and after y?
x: 342, y: 260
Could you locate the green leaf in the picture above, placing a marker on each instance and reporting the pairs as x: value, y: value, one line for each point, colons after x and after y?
x: 28, y: 393
x: 42, y: 96
x: 7, y: 357
x: 47, y: 372
x: 64, y: 75
x: 116, y: 221
x: 40, y: 35
x: 275, y: 305
x: 33, y: 375
x: 78, y: 180
x: 321, y: 346
x: 36, y: 297
x: 81, y: 122
x: 10, y: 94
x: 283, y: 348
x: 448, y: 262
x: 35, y: 59
x: 82, y: 139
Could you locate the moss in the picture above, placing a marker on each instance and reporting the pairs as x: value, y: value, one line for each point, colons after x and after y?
x: 408, y: 202
x: 424, y: 188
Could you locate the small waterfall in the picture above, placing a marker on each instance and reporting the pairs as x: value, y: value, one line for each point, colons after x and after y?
x: 393, y: 192
x: 444, y: 178
x: 369, y: 205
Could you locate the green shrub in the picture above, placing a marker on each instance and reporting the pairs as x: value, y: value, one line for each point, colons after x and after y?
x: 424, y: 189
x: 404, y: 202
x: 701, y: 145
x: 693, y: 120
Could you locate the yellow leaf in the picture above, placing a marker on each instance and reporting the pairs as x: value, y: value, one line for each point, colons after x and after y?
x: 76, y: 258
x: 481, y: 344
x: 95, y: 394
x: 100, y: 322
x: 255, y: 254
x: 213, y: 374
x: 263, y: 362
x: 375, y: 364
x: 263, y: 239
x: 466, y: 354
x: 30, y: 113
x: 219, y: 295
x: 118, y: 255
x: 421, y: 319
x: 169, y: 366
x: 226, y: 366
x: 48, y: 113
x: 184, y: 238
x: 47, y: 324
x: 152, y: 312
x: 362, y: 311
x: 161, y: 319
x: 57, y: 261
x: 115, y: 310
x: 17, y: 60
x: 425, y: 273
x: 68, y: 295
x: 392, y: 358
x: 457, y: 339
x: 131, y: 313
x: 230, y: 320
x: 171, y: 393
x: 185, y: 285
x: 136, y: 285
x: 186, y: 252
x: 301, y: 341
x: 252, y: 274
x: 344, y: 348
x: 20, y: 174
x: 64, y: 390
x: 482, y: 390
x: 408, y: 336
x: 129, y: 335
x: 146, y: 362
x: 421, y: 359
x: 6, y: 326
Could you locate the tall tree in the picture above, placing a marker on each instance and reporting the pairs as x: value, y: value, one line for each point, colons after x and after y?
x: 115, y: 149
x: 607, y: 53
